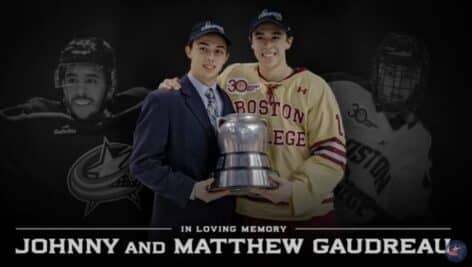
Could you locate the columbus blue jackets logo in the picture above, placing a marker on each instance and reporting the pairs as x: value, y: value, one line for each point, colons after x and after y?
x: 456, y: 251
x: 102, y: 175
x: 241, y: 86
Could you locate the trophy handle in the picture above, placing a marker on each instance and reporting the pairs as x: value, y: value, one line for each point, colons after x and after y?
x: 264, y: 120
x: 219, y: 122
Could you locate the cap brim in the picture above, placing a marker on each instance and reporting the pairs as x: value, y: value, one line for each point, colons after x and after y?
x: 200, y: 34
x: 269, y: 20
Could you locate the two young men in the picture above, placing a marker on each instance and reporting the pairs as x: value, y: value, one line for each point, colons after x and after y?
x: 307, y: 143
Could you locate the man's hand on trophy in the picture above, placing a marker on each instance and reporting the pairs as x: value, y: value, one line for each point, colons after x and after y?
x: 170, y: 84
x: 282, y: 193
x: 202, y: 193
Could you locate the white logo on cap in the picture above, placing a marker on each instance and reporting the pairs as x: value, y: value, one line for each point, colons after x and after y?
x: 209, y: 25
x: 266, y: 13
x: 81, y: 46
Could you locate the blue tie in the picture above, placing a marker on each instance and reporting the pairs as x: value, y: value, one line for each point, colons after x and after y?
x: 211, y: 107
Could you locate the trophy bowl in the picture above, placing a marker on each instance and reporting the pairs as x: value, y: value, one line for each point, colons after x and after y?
x: 243, y: 163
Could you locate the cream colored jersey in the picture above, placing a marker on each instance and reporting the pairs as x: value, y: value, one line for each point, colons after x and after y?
x: 388, y: 168
x: 306, y: 138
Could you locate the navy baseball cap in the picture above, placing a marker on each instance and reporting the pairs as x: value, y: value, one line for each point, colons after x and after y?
x: 272, y: 16
x: 207, y: 27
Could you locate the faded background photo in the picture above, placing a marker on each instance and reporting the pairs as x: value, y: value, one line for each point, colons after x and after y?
x: 62, y: 166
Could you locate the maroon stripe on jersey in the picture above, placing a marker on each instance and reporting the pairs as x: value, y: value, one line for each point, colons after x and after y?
x: 295, y: 71
x: 333, y: 139
x: 329, y: 148
x: 341, y: 164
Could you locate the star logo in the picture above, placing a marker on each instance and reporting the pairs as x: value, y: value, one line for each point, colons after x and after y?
x: 102, y: 175
x: 110, y: 161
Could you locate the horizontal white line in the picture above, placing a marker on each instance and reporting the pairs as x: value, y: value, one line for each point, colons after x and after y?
x: 331, y: 154
x: 93, y: 228
x: 374, y: 228
x: 169, y: 228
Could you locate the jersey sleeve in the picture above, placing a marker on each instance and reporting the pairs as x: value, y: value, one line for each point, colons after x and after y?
x: 315, y: 179
x: 33, y: 105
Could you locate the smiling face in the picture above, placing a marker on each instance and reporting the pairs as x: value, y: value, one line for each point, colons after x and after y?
x: 208, y: 54
x: 84, y: 89
x: 269, y: 43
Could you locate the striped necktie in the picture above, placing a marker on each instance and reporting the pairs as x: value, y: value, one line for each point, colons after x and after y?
x: 211, y: 107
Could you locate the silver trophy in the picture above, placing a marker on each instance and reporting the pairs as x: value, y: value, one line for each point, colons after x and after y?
x: 243, y: 162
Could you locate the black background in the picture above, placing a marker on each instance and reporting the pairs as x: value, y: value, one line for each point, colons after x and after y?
x: 149, y: 39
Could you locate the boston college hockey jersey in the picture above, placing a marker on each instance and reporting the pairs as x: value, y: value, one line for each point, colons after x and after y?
x: 306, y: 137
x: 387, y: 179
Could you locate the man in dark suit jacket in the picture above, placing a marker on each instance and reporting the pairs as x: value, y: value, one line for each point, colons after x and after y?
x: 175, y: 142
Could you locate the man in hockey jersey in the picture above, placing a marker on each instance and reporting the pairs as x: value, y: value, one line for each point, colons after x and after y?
x: 67, y: 163
x: 387, y: 179
x: 306, y: 141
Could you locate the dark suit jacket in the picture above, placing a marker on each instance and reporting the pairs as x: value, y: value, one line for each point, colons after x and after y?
x: 174, y: 147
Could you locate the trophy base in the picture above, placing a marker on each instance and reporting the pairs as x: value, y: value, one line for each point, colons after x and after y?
x: 240, y: 190
x: 241, y: 181
x: 242, y: 159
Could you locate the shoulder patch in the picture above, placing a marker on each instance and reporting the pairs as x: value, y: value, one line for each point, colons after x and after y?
x: 240, y: 86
